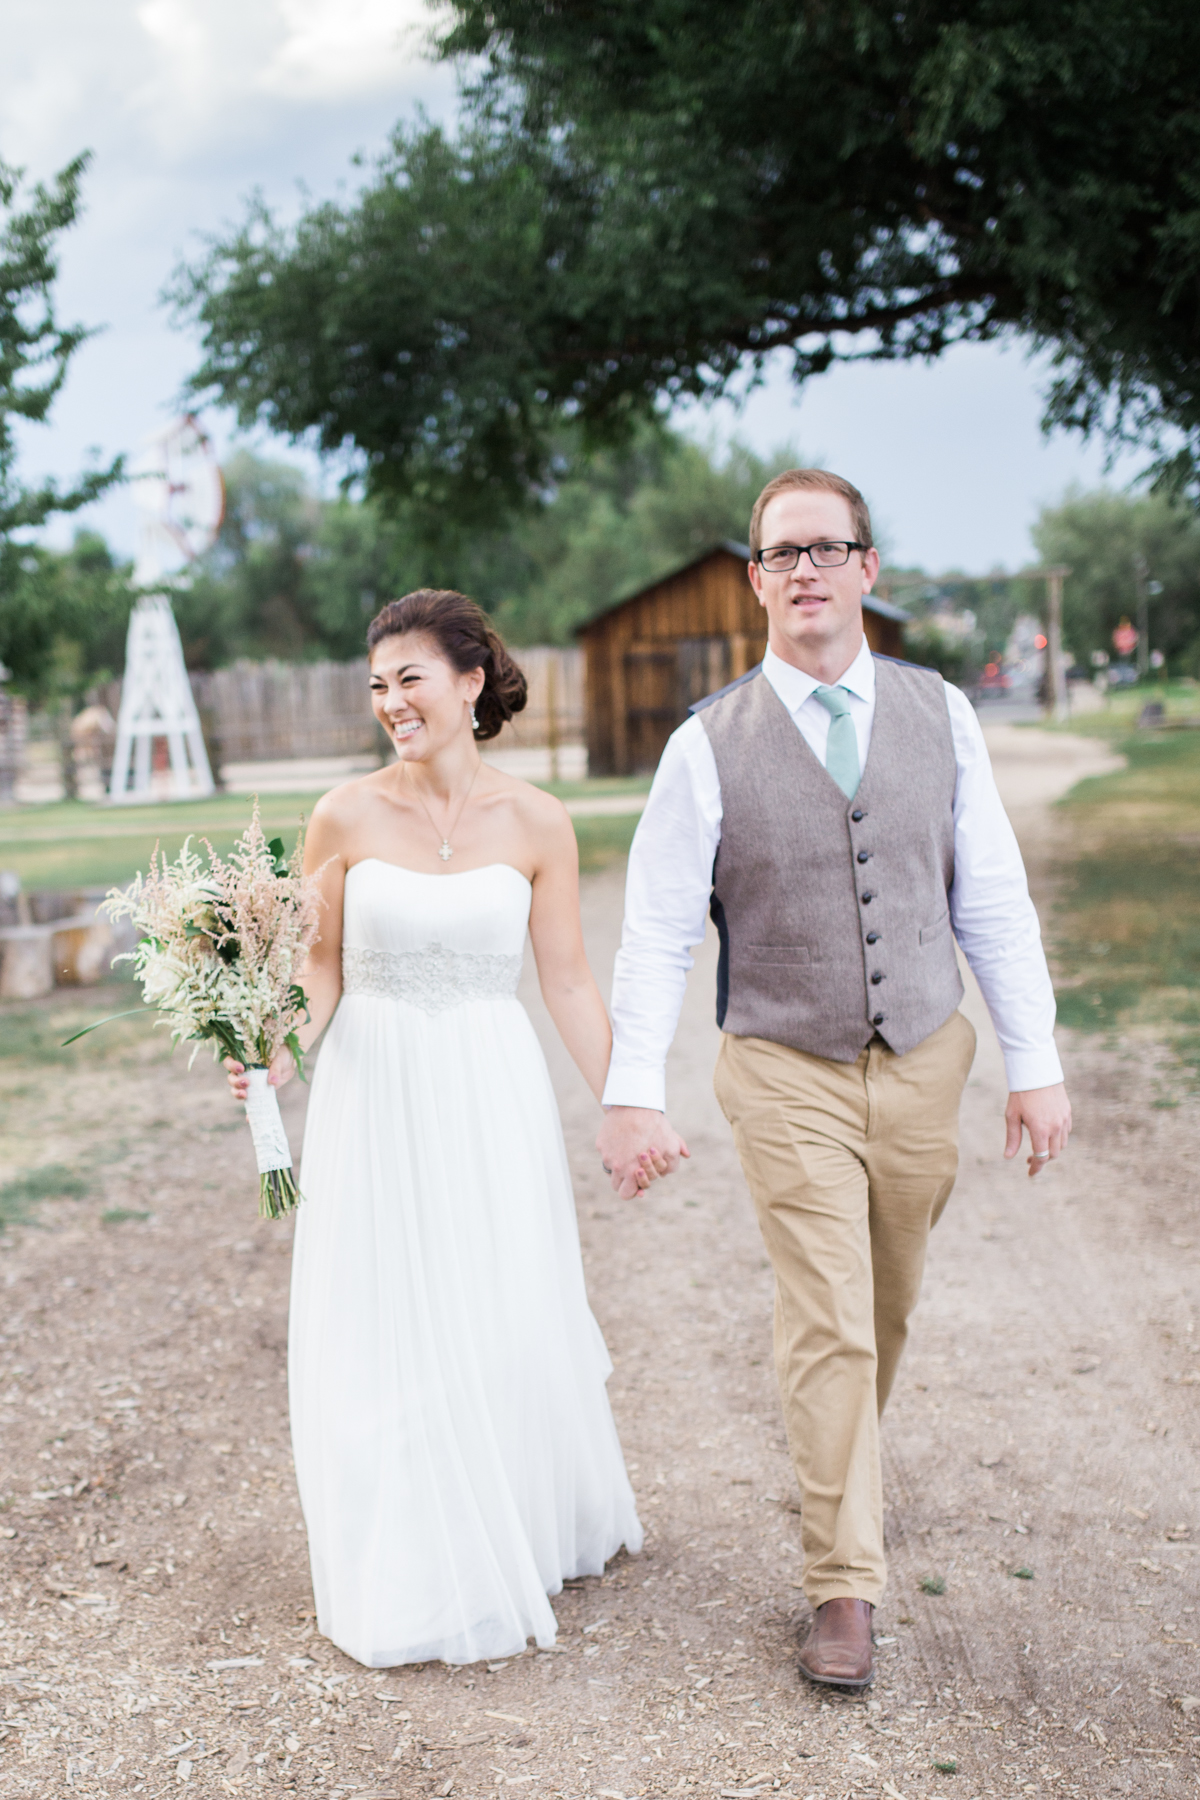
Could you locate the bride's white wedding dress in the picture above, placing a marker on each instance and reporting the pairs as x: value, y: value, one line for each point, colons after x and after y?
x: 455, y: 1451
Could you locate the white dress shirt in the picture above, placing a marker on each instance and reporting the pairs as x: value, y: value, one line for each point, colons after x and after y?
x: 669, y: 886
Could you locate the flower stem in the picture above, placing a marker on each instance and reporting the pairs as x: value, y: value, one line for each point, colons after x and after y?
x: 278, y: 1194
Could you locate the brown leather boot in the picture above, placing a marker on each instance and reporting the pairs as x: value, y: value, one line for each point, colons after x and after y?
x: 838, y: 1651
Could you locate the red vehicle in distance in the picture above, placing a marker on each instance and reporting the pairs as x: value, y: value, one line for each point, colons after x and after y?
x: 993, y: 680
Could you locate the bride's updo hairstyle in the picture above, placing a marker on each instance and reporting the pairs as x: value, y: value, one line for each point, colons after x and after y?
x: 464, y: 638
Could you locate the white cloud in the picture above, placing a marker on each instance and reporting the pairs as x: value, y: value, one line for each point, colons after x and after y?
x: 337, y: 48
x: 188, y: 105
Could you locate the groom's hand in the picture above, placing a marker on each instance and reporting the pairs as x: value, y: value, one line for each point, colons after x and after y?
x: 636, y: 1145
x: 1045, y: 1113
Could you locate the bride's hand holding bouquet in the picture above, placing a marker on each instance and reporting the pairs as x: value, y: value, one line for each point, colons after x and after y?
x: 223, y: 945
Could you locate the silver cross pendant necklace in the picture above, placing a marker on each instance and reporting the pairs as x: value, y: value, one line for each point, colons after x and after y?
x: 446, y: 849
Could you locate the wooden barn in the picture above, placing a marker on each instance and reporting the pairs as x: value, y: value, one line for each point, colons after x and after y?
x: 652, y: 655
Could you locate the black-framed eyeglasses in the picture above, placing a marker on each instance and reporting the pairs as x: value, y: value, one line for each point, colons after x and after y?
x: 830, y: 553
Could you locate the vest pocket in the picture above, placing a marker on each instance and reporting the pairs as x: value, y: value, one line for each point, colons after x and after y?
x: 777, y: 953
x: 931, y: 933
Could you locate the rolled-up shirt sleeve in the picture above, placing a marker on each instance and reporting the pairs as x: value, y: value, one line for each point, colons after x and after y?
x: 667, y: 893
x: 993, y: 917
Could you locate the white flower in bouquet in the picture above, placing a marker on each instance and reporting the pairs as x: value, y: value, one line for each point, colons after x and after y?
x: 223, y: 945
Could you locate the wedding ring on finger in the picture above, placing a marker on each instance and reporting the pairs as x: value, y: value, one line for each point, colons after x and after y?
x: 1041, y: 1155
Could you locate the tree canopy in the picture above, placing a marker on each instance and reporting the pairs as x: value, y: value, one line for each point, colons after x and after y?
x: 648, y: 197
x: 35, y: 350
x: 43, y: 598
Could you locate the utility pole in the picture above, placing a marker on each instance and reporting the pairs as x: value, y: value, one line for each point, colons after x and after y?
x: 1056, y: 683
x: 1140, y: 573
x: 552, y: 711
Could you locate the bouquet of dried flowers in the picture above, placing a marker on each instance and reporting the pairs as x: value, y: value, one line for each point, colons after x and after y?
x: 223, y: 943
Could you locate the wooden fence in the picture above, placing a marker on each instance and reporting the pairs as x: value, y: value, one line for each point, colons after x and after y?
x: 269, y: 711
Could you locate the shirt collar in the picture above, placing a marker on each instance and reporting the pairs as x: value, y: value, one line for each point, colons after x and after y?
x: 794, y: 687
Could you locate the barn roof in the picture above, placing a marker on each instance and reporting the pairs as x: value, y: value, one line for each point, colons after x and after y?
x: 882, y: 608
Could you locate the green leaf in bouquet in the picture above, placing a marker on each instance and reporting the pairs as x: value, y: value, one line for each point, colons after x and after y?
x: 293, y: 1044
x: 75, y: 1036
x: 299, y: 998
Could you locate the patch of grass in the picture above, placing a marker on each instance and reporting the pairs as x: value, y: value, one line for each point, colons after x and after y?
x: 120, y: 1215
x: 33, y: 1035
x: 946, y: 1767
x: 1127, y: 933
x: 76, y: 844
x: 72, y: 844
x: 1119, y: 714
x: 933, y: 1584
x: 600, y: 786
x: 604, y: 840
x: 1023, y: 1573
x: 54, y: 1181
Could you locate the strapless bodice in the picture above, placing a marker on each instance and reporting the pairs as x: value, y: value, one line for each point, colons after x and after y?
x: 433, y: 940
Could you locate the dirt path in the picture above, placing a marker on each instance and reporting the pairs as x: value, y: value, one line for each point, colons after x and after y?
x: 155, y: 1627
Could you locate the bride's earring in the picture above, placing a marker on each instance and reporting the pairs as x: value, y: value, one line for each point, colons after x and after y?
x: 474, y: 720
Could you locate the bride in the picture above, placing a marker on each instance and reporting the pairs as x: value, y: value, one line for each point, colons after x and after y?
x: 455, y: 1452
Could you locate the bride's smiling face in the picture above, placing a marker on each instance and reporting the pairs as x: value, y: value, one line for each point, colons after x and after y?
x: 420, y: 699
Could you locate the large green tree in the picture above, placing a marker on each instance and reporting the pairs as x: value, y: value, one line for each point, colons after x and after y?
x: 647, y: 197
x: 35, y: 354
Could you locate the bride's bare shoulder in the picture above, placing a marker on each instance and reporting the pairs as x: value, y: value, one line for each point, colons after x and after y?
x: 349, y: 805
x: 533, y: 806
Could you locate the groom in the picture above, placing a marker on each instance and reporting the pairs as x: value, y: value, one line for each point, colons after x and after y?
x: 836, y: 813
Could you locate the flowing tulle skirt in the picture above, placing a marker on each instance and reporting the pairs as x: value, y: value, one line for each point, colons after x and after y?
x: 455, y: 1451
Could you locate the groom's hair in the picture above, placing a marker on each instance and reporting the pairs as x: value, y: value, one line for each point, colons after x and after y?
x: 812, y: 478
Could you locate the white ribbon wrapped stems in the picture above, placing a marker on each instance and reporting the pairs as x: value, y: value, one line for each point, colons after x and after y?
x: 266, y: 1125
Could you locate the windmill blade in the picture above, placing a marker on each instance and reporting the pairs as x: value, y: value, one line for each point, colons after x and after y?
x: 179, y: 490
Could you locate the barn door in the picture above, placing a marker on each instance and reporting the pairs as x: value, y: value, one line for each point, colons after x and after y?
x: 650, y: 705
x: 703, y: 666
x: 661, y: 682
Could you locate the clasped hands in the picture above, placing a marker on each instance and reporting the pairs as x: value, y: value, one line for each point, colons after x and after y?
x: 636, y: 1146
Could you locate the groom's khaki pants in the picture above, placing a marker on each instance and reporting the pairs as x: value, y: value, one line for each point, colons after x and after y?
x: 849, y: 1165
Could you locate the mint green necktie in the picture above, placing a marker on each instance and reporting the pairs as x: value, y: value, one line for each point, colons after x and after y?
x: 841, y: 754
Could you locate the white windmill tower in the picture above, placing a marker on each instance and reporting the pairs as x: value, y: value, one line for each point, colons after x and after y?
x: 181, y: 496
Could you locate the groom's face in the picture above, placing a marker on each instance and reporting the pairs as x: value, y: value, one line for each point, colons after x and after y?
x: 813, y: 609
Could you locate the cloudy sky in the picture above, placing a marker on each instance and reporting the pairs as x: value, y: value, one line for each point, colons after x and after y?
x: 189, y: 105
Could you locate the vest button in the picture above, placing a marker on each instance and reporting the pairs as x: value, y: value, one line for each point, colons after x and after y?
x: 876, y: 978
x: 878, y: 1019
x: 867, y: 897
x: 872, y: 937
x: 864, y: 856
x: 857, y: 815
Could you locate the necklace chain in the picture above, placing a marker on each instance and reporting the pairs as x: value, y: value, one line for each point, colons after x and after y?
x: 446, y: 850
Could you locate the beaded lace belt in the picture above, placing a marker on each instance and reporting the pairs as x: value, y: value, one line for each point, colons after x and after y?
x: 433, y: 979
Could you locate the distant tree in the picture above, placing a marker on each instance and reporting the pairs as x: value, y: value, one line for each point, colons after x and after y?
x: 1097, y: 536
x: 296, y: 576
x: 35, y: 354
x: 626, y: 517
x: 64, y: 614
x: 648, y: 196
x: 246, y: 597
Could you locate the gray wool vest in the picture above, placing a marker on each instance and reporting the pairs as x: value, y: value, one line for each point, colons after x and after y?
x: 834, y: 914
